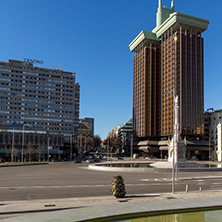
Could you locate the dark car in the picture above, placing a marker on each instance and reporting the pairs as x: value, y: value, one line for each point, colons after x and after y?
x: 77, y: 161
x: 96, y: 160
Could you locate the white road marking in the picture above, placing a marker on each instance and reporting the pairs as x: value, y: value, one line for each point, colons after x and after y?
x: 82, y: 186
x: 155, y: 179
x: 215, y: 185
x: 130, y: 185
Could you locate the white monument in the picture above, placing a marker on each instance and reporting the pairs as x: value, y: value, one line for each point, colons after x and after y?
x: 177, y: 148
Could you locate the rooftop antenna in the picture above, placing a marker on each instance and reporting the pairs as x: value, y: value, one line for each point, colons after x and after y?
x: 172, y: 5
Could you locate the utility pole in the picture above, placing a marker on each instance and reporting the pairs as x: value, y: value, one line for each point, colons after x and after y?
x: 131, y: 150
x: 108, y: 148
x: 71, y: 147
x: 12, y: 151
x: 85, y: 143
x: 48, y: 149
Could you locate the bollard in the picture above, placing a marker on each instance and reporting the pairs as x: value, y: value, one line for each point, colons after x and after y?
x: 200, y: 189
x: 187, y: 188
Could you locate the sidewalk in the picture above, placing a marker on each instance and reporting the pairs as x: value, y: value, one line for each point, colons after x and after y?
x: 86, y: 208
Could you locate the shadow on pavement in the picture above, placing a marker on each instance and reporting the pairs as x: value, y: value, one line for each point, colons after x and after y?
x: 142, y: 196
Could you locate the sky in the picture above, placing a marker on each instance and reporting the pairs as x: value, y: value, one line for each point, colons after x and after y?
x: 91, y: 38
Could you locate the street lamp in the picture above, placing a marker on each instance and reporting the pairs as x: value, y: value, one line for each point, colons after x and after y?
x: 174, y: 130
x: 48, y: 148
x: 173, y: 137
x: 131, y: 150
x: 71, y: 145
x: 107, y: 149
x: 23, y: 140
x: 12, y: 152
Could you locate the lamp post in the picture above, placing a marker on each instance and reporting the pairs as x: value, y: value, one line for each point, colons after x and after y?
x: 23, y: 139
x: 107, y: 149
x: 131, y: 150
x: 48, y: 147
x: 174, y: 136
x: 174, y: 130
x: 209, y: 149
x: 71, y: 146
x: 12, y: 152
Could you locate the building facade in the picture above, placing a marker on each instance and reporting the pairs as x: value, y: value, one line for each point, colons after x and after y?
x: 125, y: 133
x: 167, y: 62
x: 90, y: 121
x: 39, y: 107
x: 213, y: 120
x: 85, y: 135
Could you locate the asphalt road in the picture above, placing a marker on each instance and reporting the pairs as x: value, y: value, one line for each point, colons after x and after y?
x: 63, y: 180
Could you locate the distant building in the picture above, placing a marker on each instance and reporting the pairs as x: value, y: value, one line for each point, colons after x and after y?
x: 212, y: 133
x: 85, y: 135
x: 90, y: 121
x: 125, y: 133
x: 114, y: 137
x: 120, y: 137
x: 214, y: 119
x: 40, y: 104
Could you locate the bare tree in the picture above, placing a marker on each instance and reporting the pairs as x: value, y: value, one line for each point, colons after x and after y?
x: 40, y: 148
x: 30, y: 150
x: 96, y: 141
x: 15, y: 153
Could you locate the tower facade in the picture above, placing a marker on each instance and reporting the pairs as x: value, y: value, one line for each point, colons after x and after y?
x: 169, y: 59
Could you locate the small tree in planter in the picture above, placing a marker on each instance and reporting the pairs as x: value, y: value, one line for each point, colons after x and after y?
x: 118, y: 187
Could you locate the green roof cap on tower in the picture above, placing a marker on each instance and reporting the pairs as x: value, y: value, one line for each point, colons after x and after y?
x: 167, y: 18
x: 142, y: 36
x: 182, y: 19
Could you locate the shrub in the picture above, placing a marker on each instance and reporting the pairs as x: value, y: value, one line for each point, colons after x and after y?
x: 118, y: 187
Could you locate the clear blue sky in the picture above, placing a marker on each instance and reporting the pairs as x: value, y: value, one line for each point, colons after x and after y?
x: 91, y: 38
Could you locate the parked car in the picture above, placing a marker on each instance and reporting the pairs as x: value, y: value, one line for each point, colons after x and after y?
x: 77, y: 161
x: 96, y: 160
x: 90, y: 160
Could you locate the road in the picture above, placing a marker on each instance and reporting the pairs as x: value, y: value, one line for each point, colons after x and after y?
x: 63, y: 180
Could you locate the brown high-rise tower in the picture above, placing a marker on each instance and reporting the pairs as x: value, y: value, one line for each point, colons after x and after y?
x: 170, y: 57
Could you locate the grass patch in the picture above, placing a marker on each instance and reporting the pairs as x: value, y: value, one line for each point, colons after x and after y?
x: 19, y: 163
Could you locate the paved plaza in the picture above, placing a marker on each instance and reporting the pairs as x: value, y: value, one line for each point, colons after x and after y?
x: 89, y: 208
